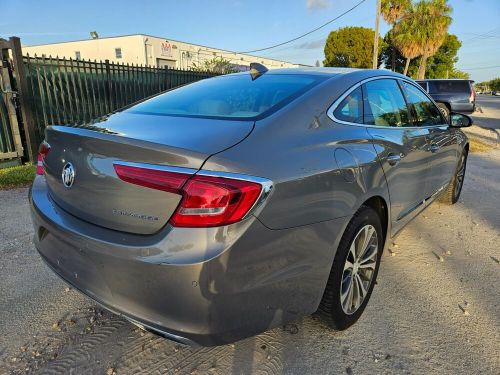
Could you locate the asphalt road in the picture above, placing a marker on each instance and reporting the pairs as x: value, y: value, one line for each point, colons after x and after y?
x: 490, y: 117
x: 435, y: 309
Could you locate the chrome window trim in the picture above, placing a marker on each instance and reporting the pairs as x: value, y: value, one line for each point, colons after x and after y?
x: 266, y: 184
x: 336, y: 103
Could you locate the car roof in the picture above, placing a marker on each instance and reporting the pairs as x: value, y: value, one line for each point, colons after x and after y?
x: 327, y: 71
x: 443, y: 79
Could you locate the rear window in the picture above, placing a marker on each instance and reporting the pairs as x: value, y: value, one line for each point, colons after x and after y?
x: 230, y: 97
x: 449, y: 87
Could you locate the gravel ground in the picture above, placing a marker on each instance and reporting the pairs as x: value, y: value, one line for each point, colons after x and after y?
x: 436, y: 308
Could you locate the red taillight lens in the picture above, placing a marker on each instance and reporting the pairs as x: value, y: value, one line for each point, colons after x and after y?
x: 213, y: 201
x: 472, y: 96
x: 152, y: 178
x: 43, y: 151
x: 207, y: 201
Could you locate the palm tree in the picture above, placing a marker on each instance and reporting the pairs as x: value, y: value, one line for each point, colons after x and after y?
x: 392, y: 12
x: 429, y: 22
x: 404, y: 40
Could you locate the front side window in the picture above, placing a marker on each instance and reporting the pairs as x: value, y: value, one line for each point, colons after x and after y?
x: 425, y: 112
x: 351, y: 108
x: 230, y: 97
x: 384, y: 104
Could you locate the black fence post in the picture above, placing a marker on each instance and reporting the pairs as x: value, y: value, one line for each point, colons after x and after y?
x: 25, y: 100
x: 108, y: 86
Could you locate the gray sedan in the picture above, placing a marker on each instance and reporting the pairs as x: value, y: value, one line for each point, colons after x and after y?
x: 233, y: 205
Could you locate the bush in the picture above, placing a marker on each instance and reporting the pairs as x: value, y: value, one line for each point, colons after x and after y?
x: 13, y: 177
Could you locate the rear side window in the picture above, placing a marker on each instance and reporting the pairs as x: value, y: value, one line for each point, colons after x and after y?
x: 230, y: 97
x: 449, y: 87
x: 425, y: 112
x: 351, y: 108
x: 384, y: 104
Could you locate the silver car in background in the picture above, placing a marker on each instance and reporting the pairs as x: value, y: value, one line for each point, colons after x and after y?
x: 233, y: 205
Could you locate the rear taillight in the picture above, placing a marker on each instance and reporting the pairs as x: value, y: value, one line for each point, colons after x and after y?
x: 207, y: 201
x: 43, y: 151
x: 212, y: 201
x: 152, y: 178
x: 472, y: 96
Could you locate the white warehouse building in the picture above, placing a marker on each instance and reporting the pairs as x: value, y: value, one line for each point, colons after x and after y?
x: 148, y: 50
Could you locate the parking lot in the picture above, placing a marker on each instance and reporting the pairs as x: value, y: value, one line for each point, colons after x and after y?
x: 435, y: 309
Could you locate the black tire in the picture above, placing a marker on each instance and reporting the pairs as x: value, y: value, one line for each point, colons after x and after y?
x: 444, y: 109
x: 452, y: 193
x: 330, y: 308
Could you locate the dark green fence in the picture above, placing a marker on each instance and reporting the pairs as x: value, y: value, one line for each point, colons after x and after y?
x: 7, y: 145
x: 77, y: 91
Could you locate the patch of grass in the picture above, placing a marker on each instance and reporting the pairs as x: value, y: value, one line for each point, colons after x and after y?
x: 478, y: 146
x: 19, y: 176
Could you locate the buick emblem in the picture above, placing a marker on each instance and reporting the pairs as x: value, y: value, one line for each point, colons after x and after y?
x: 68, y: 175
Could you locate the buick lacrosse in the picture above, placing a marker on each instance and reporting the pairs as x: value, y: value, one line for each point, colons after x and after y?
x: 235, y: 204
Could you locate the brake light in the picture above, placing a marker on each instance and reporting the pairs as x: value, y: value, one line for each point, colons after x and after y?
x: 472, y: 96
x: 212, y: 201
x: 43, y: 151
x: 152, y: 178
x: 207, y: 201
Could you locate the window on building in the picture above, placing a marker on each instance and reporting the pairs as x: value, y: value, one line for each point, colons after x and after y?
x: 78, y: 55
x: 118, y: 53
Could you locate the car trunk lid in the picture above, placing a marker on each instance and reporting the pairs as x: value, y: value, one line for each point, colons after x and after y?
x: 99, y: 196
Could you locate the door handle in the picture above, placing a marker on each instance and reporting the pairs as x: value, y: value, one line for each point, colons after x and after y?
x: 393, y: 159
x: 434, y: 148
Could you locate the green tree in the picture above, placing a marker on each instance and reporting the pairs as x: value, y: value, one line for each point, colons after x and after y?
x: 440, y: 65
x: 350, y: 47
x: 403, y: 38
x: 429, y: 21
x: 392, y: 11
x: 458, y: 74
x: 216, y: 65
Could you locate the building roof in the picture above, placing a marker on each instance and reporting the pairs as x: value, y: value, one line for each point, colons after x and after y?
x: 159, y: 37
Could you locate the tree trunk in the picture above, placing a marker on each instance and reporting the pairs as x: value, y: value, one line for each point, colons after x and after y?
x: 393, y: 58
x: 407, y: 65
x: 422, y: 66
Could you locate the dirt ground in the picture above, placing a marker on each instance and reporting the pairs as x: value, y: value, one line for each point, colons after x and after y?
x: 434, y: 310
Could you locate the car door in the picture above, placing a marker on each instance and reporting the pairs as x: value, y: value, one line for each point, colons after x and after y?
x: 443, y: 143
x: 402, y: 148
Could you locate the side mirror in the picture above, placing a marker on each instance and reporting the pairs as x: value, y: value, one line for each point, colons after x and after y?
x: 459, y: 120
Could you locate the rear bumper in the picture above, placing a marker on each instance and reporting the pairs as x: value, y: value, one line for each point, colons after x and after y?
x: 205, y: 286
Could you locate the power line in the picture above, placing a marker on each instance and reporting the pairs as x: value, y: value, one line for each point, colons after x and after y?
x: 486, y: 34
x: 482, y: 67
x: 309, y: 32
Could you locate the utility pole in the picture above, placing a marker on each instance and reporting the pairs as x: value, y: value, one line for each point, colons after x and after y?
x: 375, y: 41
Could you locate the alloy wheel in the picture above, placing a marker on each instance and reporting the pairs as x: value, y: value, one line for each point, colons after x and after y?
x: 359, y: 269
x: 460, y: 176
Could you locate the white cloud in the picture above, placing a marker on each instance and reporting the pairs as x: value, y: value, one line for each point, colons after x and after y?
x: 317, y: 4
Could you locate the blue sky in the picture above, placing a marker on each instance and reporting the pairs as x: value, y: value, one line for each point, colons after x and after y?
x: 241, y: 25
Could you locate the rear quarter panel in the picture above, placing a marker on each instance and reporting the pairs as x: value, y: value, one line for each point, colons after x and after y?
x: 321, y: 169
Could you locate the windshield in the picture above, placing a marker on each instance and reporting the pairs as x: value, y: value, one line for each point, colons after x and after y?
x: 229, y: 97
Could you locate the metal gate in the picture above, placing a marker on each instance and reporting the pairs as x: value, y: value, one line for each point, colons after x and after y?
x: 11, y: 149
x: 15, y: 126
